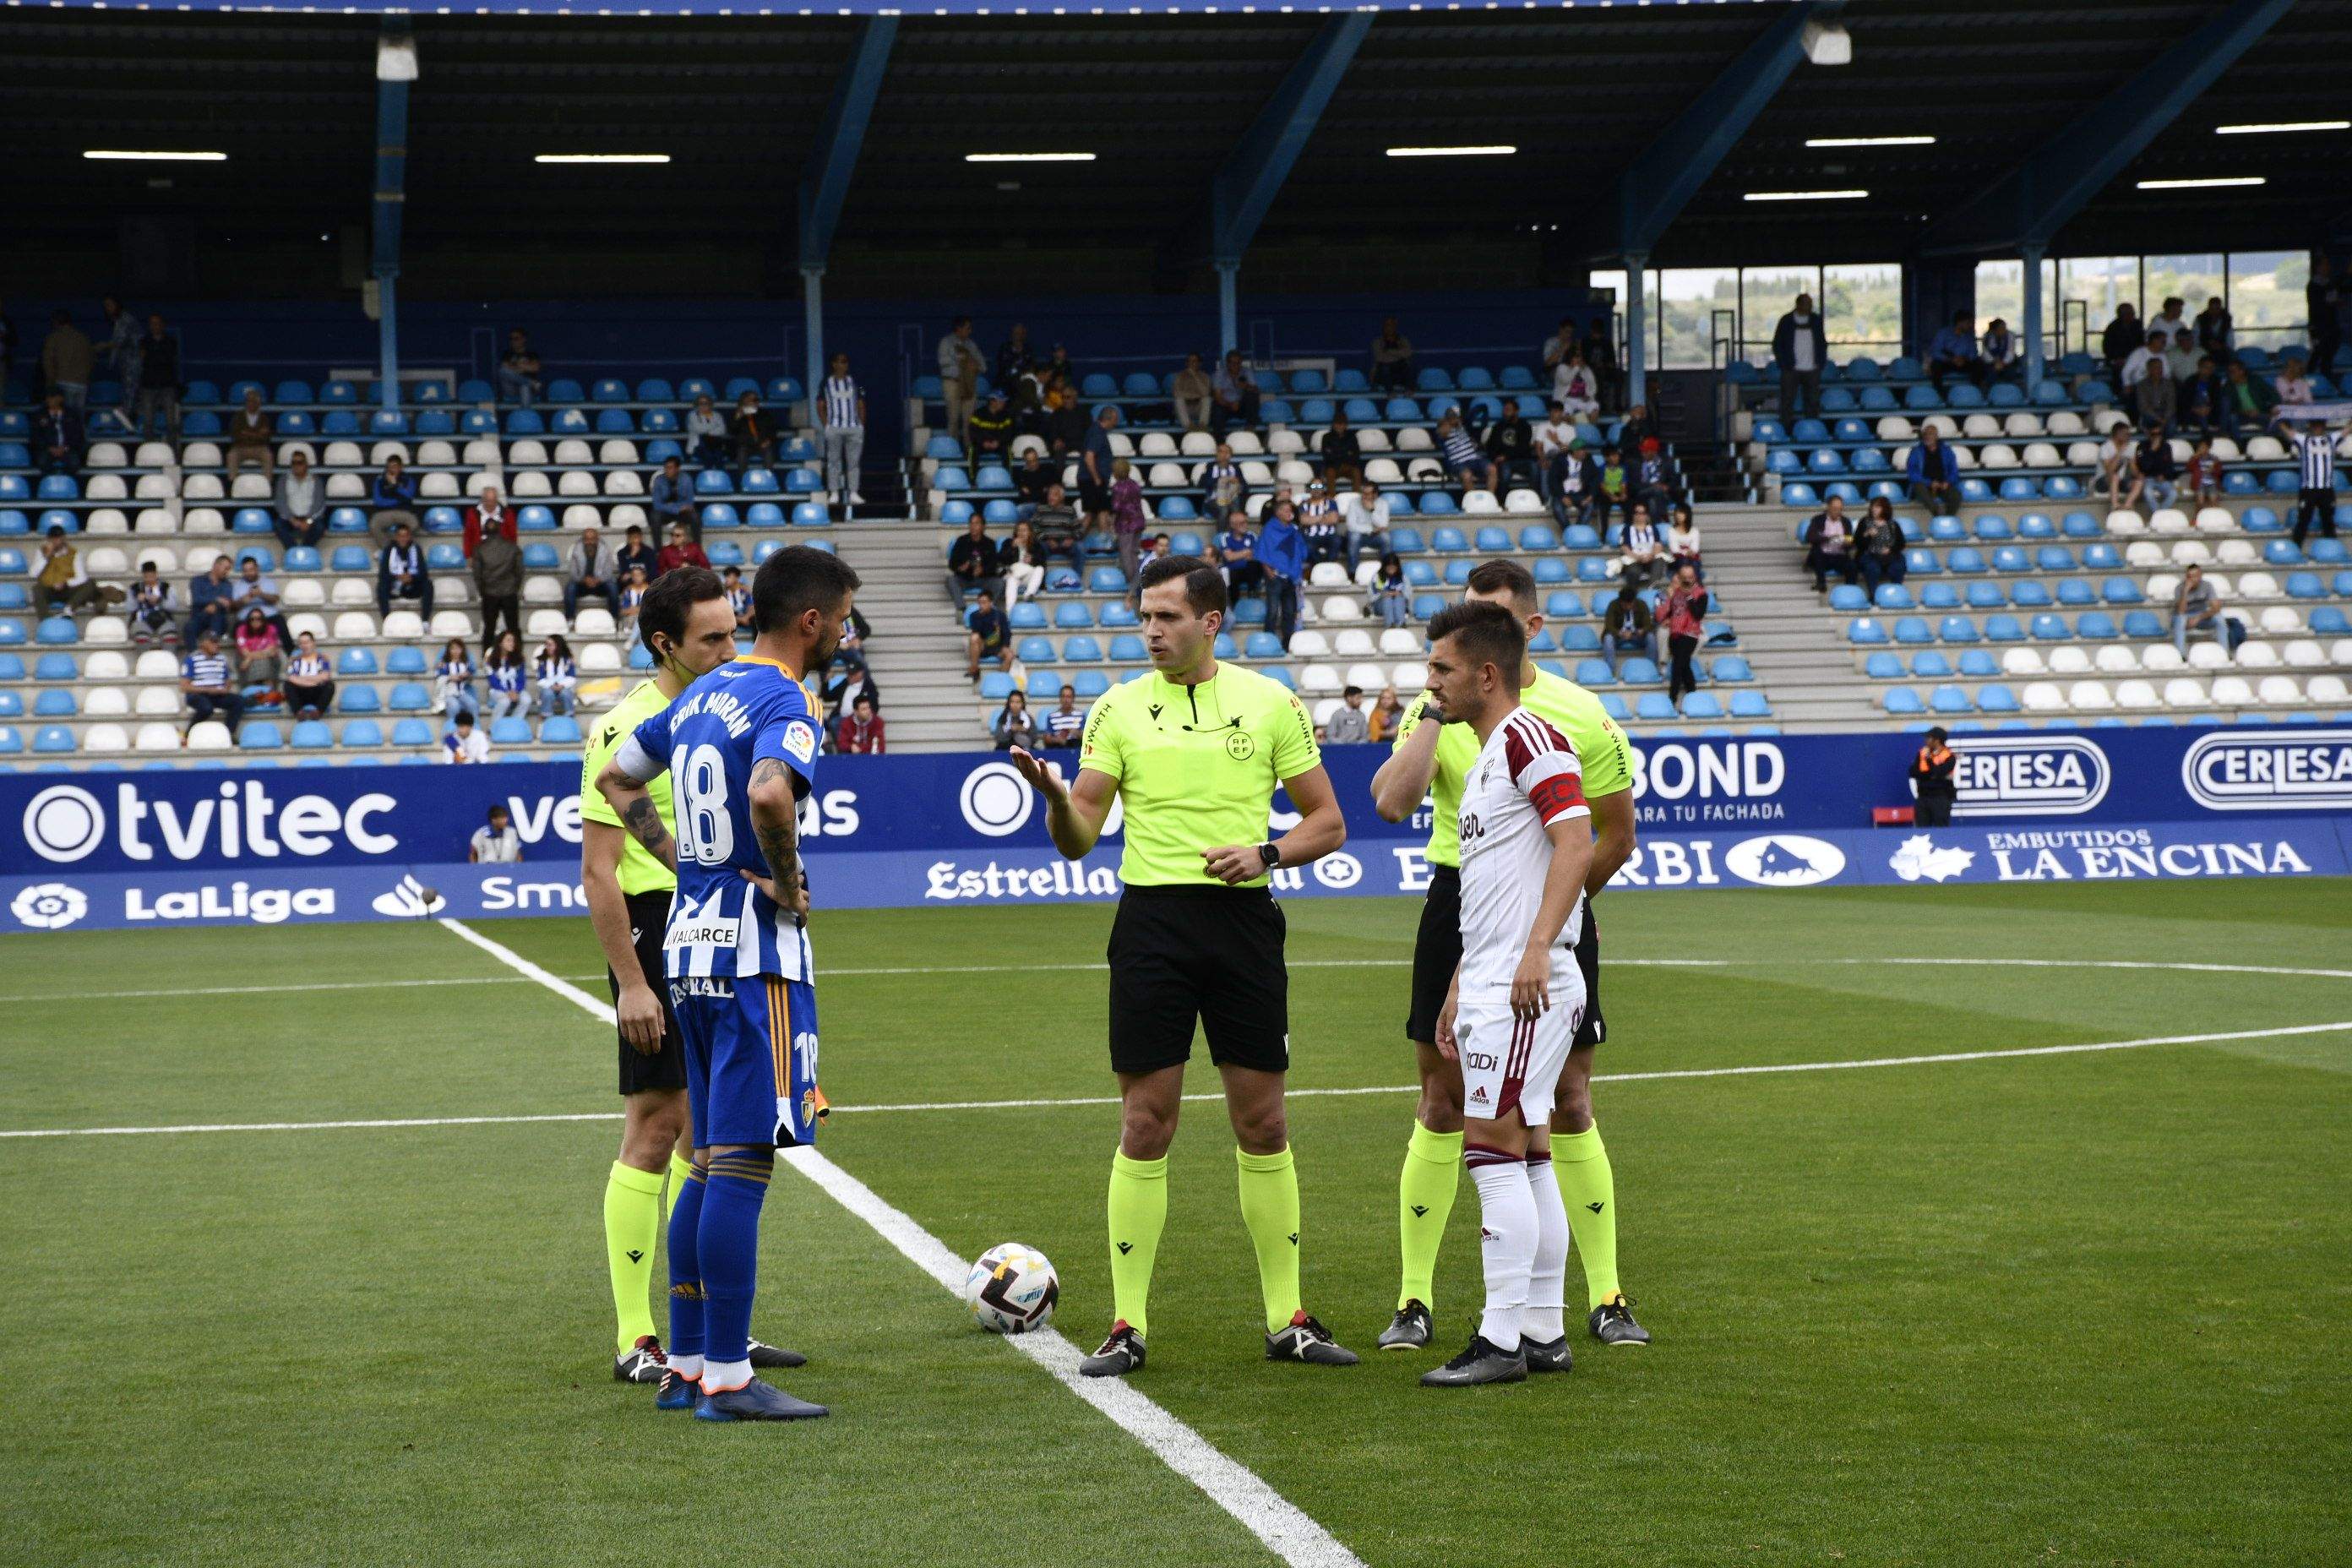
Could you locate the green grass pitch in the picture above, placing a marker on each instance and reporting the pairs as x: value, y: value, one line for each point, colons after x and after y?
x: 2086, y: 1308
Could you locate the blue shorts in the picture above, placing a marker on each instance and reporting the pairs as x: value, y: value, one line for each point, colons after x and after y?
x: 751, y: 1058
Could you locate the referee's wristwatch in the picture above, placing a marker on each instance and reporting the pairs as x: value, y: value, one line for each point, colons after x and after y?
x: 1271, y: 853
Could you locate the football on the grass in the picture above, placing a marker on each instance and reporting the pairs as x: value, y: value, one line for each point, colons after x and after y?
x: 1011, y: 1289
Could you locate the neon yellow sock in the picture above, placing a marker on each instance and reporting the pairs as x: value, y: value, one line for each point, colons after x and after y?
x: 633, y: 1219
x: 681, y: 1171
x: 1270, y: 1208
x: 1138, y: 1210
x: 1433, y: 1173
x: 1589, y: 1192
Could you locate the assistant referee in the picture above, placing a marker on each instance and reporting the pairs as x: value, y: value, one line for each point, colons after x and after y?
x: 1435, y: 758
x: 1194, y: 751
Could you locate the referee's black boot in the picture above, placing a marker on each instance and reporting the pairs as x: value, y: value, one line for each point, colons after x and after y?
x: 1409, y: 1331
x: 1613, y: 1324
x: 1305, y: 1340
x: 641, y: 1363
x: 1120, y: 1354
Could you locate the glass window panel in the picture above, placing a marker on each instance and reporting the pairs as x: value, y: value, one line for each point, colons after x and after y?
x: 2099, y: 283
x: 1766, y: 294
x: 1688, y: 298
x: 1862, y: 307
x: 2000, y: 295
x: 2192, y: 279
x: 2266, y: 303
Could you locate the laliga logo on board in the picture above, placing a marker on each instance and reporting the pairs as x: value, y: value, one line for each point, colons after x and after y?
x: 2018, y: 775
x: 2310, y: 771
x: 48, y: 906
x: 1784, y: 860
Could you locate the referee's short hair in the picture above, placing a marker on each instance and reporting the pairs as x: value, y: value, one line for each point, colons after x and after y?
x: 672, y: 598
x: 795, y: 580
x: 1505, y: 577
x: 1485, y: 631
x: 1204, y: 585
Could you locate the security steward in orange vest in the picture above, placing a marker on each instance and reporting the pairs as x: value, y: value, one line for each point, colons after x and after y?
x: 1931, y: 772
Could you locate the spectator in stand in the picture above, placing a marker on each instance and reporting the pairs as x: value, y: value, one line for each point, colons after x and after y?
x: 496, y: 842
x: 1932, y: 473
x: 1056, y: 522
x: 2247, y: 400
x: 991, y: 431
x: 2123, y: 337
x: 2115, y: 462
x: 1800, y: 348
x: 1282, y: 552
x: 555, y: 675
x: 1576, y: 387
x: 841, y: 409
x: 706, y: 434
x: 1157, y: 548
x: 2322, y: 308
x: 1574, y: 479
x: 1066, y: 724
x: 452, y: 681
x: 1022, y: 565
x: 391, y: 501
x: 2151, y: 350
x: 849, y: 682
x: 2196, y: 608
x: 987, y: 635
x: 2202, y: 398
x: 489, y: 514
x: 1637, y: 427
x: 1684, y: 616
x: 960, y: 368
x: 1615, y: 491
x: 211, y: 602
x: 681, y: 551
x: 252, y: 591
x: 1644, y: 561
x: 1511, y: 444
x: 1465, y: 464
x: 1320, y: 524
x: 2155, y: 401
x: 858, y: 732
x: 634, y: 580
x: 1030, y: 481
x: 1387, y: 714
x: 2174, y: 321
x: 2204, y: 474
x: 1682, y: 539
x: 751, y: 435
x: 301, y: 505
x: 2315, y: 459
x: 2216, y: 332
x: 505, y: 676
x: 1238, y: 557
x: 972, y: 563
x: 2154, y: 473
x: 670, y: 499
x: 118, y: 349
x: 1829, y: 544
x: 1553, y: 437
x: 1600, y: 354
x: 2000, y: 348
x: 589, y: 568
x: 1953, y: 352
x: 498, y: 582
x: 634, y: 552
x: 1193, y: 393
x: 1878, y: 546
x: 1127, y: 518
x: 1343, y: 454
x: 519, y: 371
x: 154, y: 608
x: 2180, y: 358
x: 1095, y: 469
x: 1391, y: 596
x: 1565, y: 343
x: 738, y: 598
x: 1058, y: 367
x: 1234, y: 396
x: 1222, y: 486
x: 251, y: 437
x: 58, y: 436
x: 1066, y: 427
x: 400, y: 573
x: 63, y: 586
x: 1014, y: 357
x: 1652, y: 478
x: 1014, y: 725
x: 205, y: 682
x: 67, y: 359
x: 158, y: 401
x: 1392, y: 359
x: 1348, y: 725
x: 259, y: 660
x: 1931, y: 778
x: 1627, y: 625
x: 464, y: 742
x: 1367, y: 515
x: 310, y: 681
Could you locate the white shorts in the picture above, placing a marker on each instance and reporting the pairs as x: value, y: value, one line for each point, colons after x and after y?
x: 1509, y: 1065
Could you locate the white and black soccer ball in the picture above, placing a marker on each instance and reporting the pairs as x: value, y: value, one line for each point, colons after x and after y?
x: 1011, y: 1289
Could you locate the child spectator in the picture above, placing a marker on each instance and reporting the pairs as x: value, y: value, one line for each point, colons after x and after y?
x: 1613, y: 493
x: 558, y: 677
x: 464, y: 744
x: 738, y: 598
x: 155, y: 612
x: 452, y: 680
x: 309, y: 681
x: 987, y: 634
x: 508, y: 676
x: 1392, y: 598
x: 2204, y: 475
x: 633, y: 593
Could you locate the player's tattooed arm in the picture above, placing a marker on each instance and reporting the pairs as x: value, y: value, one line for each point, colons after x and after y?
x: 645, y: 822
x: 775, y: 823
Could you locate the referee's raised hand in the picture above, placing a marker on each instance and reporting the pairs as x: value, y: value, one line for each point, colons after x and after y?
x: 1041, y: 778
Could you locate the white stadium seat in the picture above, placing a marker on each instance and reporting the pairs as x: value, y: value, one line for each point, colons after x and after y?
x: 1318, y: 680
x: 1997, y: 454
x: 2069, y: 660
x: 2253, y: 585
x: 1981, y: 428
x: 1342, y: 607
x: 1310, y: 644
x: 106, y: 665
x: 2065, y: 424
x: 1893, y: 428
x: 459, y: 624
x: 2089, y: 697
x: 2161, y: 658
x: 2143, y: 552
x: 2139, y: 694
x: 2021, y: 661
x: 400, y: 626
x: 1401, y: 640
x: 157, y: 738
x: 2182, y: 692
x: 211, y: 735
x: 1408, y: 677
x: 528, y: 485
x: 436, y: 454
x: 1353, y: 642
x: 2190, y: 552
x: 1327, y: 574
x: 353, y: 592
x: 105, y: 737
x: 1943, y: 425
x: 358, y: 625
x: 1195, y: 444
x: 572, y: 482
x: 2208, y: 656
x: 2043, y: 696
x: 2279, y: 691
x: 342, y: 454
x: 594, y: 621
x: 303, y: 593
x: 572, y: 454
x: 106, y: 520
x: 2258, y: 656
x: 2117, y: 659
x: 541, y: 590
x: 158, y: 701
x: 2041, y: 455
x: 2231, y: 691
x: 2329, y: 688
x: 1480, y: 503
x: 345, y: 487
x: 106, y: 703
x: 1523, y: 503
x: 438, y: 486
x: 2305, y: 653
x: 250, y: 486
x: 2236, y: 553
x: 106, y: 631
x: 2216, y: 517
x: 598, y: 658
x: 309, y: 621
x: 383, y: 452
x: 1245, y: 444
x: 580, y: 515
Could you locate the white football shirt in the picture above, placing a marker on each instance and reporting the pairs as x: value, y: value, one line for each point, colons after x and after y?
x: 1526, y: 777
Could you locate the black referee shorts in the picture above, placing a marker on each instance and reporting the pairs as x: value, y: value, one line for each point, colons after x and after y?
x: 1437, y: 953
x: 666, y: 1068
x: 1212, y: 955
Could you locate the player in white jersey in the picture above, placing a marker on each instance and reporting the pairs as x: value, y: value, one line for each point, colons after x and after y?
x: 1518, y: 997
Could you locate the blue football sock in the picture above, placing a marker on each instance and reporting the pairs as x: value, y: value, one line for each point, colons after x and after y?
x: 729, y: 1244
x: 685, y: 1290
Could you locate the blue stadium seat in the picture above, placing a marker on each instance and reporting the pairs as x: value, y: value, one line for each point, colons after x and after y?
x: 1036, y: 650
x: 1950, y: 699
x: 359, y: 698
x: 1072, y: 614
x: 2096, y: 623
x: 1750, y: 705
x: 410, y: 697
x: 405, y: 661
x: 53, y: 738
x: 1939, y: 597
x: 362, y: 732
x: 1929, y: 664
x: 2029, y: 595
x: 260, y: 735
x: 311, y: 735
x: 409, y: 733
x: 1901, y: 700
x: 355, y: 661
x: 1957, y: 629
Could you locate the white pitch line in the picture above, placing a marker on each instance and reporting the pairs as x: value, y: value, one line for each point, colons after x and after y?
x: 1286, y: 1529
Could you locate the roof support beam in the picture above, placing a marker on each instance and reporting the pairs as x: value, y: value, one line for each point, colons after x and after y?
x: 825, y: 184
x: 1662, y: 182
x: 1245, y: 188
x: 395, y: 67
x: 2029, y: 205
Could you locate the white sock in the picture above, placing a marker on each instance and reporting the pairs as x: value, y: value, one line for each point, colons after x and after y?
x: 1541, y: 1321
x: 1506, y: 1239
x: 719, y: 1376
x: 689, y: 1367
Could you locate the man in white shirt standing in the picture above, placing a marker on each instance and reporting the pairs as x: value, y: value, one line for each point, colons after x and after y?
x: 840, y: 405
x: 496, y: 842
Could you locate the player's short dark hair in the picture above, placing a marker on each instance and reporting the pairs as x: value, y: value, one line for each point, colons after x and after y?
x: 1506, y: 577
x: 1204, y: 585
x: 794, y: 581
x: 1488, y: 634
x: 672, y: 598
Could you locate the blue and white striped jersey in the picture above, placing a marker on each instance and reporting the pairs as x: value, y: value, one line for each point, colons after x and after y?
x: 842, y: 393
x: 740, y: 714
x: 2315, y: 455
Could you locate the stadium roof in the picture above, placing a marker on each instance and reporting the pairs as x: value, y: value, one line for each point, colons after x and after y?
x: 1161, y: 102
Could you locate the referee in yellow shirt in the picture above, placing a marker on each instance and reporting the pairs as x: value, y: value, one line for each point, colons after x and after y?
x: 689, y: 629
x: 1433, y: 758
x: 1194, y: 751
